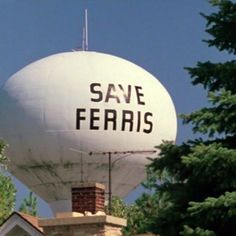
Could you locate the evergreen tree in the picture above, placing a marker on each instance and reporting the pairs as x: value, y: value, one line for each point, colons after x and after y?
x: 29, y: 205
x: 194, y: 184
x: 7, y: 189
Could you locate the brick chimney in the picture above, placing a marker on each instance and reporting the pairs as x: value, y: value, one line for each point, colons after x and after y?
x: 88, y: 197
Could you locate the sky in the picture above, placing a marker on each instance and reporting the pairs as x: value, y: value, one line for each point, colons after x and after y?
x: 163, y: 37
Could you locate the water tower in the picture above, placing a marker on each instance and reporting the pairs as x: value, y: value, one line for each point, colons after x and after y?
x: 63, y: 115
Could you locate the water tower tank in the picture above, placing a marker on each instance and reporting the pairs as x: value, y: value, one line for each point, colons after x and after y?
x: 63, y: 114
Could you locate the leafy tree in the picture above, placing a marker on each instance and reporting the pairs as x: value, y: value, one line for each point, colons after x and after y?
x: 194, y: 184
x: 118, y: 207
x: 7, y: 189
x: 132, y: 213
x: 29, y: 205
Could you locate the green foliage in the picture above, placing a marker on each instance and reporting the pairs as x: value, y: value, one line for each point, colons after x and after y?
x: 7, y: 197
x: 7, y: 189
x: 118, y: 207
x: 133, y: 213
x: 29, y: 205
x: 188, y: 231
x: 207, y: 122
x: 221, y: 26
x: 221, y: 209
x: 137, y: 223
x: 193, y: 185
x: 3, y: 147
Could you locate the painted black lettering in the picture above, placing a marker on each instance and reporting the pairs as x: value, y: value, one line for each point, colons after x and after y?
x: 93, y: 118
x: 111, y: 93
x: 148, y: 122
x: 79, y: 117
x: 139, y: 95
x: 127, y: 119
x: 126, y: 94
x: 96, y: 91
x: 139, y: 121
x: 110, y: 117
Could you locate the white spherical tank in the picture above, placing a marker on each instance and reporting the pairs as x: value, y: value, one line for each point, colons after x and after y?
x: 63, y: 114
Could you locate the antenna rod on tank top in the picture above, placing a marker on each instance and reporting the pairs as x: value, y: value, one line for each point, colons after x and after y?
x: 86, y: 30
